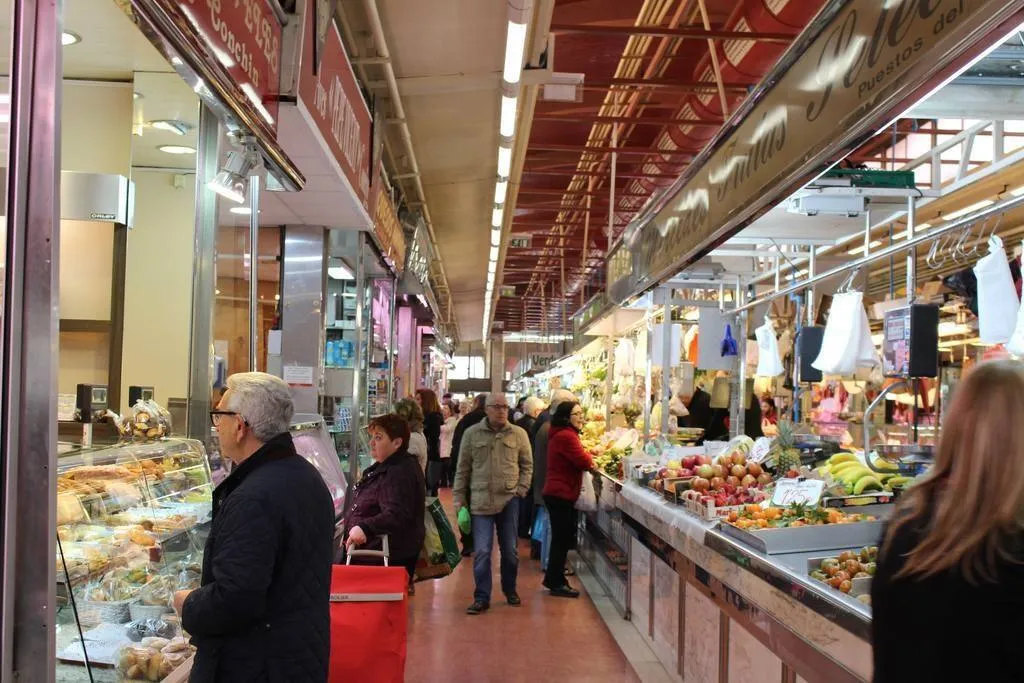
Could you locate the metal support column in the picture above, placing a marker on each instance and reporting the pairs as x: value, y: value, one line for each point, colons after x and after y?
x: 912, y: 251
x: 392, y: 345
x: 666, y: 361
x: 28, y: 412
x: 812, y: 270
x: 649, y: 344
x: 609, y: 383
x: 204, y: 278
x: 254, y: 271
x: 359, y: 373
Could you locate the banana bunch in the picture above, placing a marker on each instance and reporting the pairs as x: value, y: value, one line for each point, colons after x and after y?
x: 857, y: 478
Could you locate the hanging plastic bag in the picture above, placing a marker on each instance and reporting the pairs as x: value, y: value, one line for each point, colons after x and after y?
x: 587, y: 502
x: 997, y: 297
x: 840, y: 343
x: 465, y: 521
x: 769, y: 364
x: 867, y: 354
x: 729, y: 347
x: 1016, y: 343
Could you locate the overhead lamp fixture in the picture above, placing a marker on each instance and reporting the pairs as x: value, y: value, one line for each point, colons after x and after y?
x: 497, y: 216
x: 500, y: 191
x: 1017, y: 191
x: 860, y: 249
x: 967, y: 209
x: 340, y: 273
x: 507, y: 122
x: 504, y: 161
x: 171, y: 126
x: 241, y: 210
x: 495, y: 237
x: 69, y: 38
x: 177, y: 149
x: 230, y: 180
x: 492, y: 267
x: 494, y: 253
x: 515, y: 47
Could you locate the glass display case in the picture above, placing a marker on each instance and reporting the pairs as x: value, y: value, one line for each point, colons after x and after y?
x: 132, y: 521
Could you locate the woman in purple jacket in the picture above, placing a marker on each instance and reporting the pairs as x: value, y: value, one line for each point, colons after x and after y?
x: 389, y: 497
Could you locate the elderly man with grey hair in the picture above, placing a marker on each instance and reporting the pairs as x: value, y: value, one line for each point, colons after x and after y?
x: 495, y: 465
x: 262, y: 610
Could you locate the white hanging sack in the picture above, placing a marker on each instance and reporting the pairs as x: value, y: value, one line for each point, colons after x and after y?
x: 1016, y: 343
x: 997, y: 297
x: 587, y: 502
x: 768, y: 362
x: 840, y: 343
x: 867, y: 354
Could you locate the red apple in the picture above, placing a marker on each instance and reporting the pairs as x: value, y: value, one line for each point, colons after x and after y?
x: 705, y: 471
x: 663, y: 473
x: 718, y: 471
x: 703, y: 460
x: 754, y: 469
x: 689, y: 461
x: 764, y: 479
x: 749, y: 480
x: 792, y: 474
x: 738, y: 471
x: 717, y: 483
x: 700, y: 484
x: 686, y: 472
x: 734, y: 481
x: 738, y: 458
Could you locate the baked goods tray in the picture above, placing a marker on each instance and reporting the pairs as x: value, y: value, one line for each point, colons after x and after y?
x: 808, y: 539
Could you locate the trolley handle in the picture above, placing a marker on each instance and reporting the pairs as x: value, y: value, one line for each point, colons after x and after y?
x: 385, y: 554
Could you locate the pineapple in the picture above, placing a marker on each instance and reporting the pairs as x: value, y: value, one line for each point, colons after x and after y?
x: 785, y: 455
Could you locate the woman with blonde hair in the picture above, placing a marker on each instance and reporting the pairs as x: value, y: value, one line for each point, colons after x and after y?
x: 951, y: 567
x: 413, y: 414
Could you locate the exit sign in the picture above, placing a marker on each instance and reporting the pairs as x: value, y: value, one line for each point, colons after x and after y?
x: 519, y: 242
x: 508, y: 290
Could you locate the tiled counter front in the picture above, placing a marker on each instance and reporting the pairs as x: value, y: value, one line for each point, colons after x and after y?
x: 716, y: 612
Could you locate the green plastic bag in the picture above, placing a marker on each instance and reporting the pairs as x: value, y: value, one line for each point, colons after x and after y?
x: 465, y: 521
x: 440, y: 553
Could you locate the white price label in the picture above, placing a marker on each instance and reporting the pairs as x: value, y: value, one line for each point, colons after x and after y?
x: 298, y: 375
x: 793, y: 491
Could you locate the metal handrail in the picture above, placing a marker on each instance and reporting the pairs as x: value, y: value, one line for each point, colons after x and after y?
x: 886, y: 252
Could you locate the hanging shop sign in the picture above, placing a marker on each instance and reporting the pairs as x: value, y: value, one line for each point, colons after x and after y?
x: 388, y: 231
x: 329, y: 97
x: 857, y: 66
x: 244, y: 37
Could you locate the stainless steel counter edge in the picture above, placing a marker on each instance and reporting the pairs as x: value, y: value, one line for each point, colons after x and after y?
x: 845, y: 612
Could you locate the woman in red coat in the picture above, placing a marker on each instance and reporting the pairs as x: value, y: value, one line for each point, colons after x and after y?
x: 567, y: 461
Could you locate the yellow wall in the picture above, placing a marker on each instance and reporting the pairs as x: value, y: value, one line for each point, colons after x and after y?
x: 158, y: 286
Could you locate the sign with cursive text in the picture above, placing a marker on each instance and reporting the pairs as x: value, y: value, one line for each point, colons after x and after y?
x: 861, y: 67
x: 244, y: 37
x: 329, y: 95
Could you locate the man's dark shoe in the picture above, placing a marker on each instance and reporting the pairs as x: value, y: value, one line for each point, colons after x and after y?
x: 477, y: 607
x: 466, y: 552
x: 564, y: 592
x: 514, y: 599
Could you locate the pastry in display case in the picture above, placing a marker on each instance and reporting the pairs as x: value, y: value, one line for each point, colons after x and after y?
x: 131, y: 525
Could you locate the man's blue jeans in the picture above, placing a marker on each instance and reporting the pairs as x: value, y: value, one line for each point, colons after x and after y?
x: 484, y: 526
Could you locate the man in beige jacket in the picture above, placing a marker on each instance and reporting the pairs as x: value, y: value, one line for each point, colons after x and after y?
x: 494, y: 473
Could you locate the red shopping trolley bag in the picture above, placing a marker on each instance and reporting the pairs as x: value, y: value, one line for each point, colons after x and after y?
x: 368, y: 621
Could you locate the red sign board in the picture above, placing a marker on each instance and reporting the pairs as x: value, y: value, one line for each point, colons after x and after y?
x: 331, y: 99
x: 244, y: 37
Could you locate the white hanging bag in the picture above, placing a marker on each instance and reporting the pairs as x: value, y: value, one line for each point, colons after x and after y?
x: 997, y: 297
x: 768, y: 362
x: 1016, y: 343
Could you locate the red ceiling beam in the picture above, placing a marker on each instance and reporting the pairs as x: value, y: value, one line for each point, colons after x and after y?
x: 642, y: 151
x: 666, y: 85
x: 666, y: 32
x: 594, y: 174
x: 580, y: 193
x: 631, y: 120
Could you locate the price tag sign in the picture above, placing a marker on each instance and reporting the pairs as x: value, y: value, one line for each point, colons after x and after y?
x: 298, y: 375
x: 793, y: 491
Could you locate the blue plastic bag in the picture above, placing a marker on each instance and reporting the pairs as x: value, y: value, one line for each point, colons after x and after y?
x: 729, y: 344
x: 541, y: 533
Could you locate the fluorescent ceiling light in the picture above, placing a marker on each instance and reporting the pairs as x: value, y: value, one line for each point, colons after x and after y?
x: 1016, y: 192
x: 500, y: 191
x: 340, y: 273
x: 496, y: 217
x: 492, y: 267
x: 968, y: 209
x: 69, y: 38
x: 241, y: 210
x: 857, y: 250
x: 495, y: 237
x: 494, y: 253
x: 504, y: 161
x: 515, y: 46
x: 171, y: 126
x: 177, y: 149
x: 948, y: 328
x: 507, y: 123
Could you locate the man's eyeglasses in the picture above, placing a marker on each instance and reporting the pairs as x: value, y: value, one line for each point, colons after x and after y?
x: 215, y: 415
x: 497, y: 405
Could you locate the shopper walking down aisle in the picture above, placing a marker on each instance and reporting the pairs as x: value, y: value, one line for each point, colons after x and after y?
x: 432, y: 421
x: 447, y: 432
x: 567, y: 461
x: 951, y: 567
x: 495, y: 465
x: 540, y: 442
x: 411, y: 412
x: 389, y: 498
x: 532, y: 407
x: 474, y: 416
x: 262, y: 610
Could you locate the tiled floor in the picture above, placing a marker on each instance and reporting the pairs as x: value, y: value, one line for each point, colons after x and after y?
x: 546, y: 639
